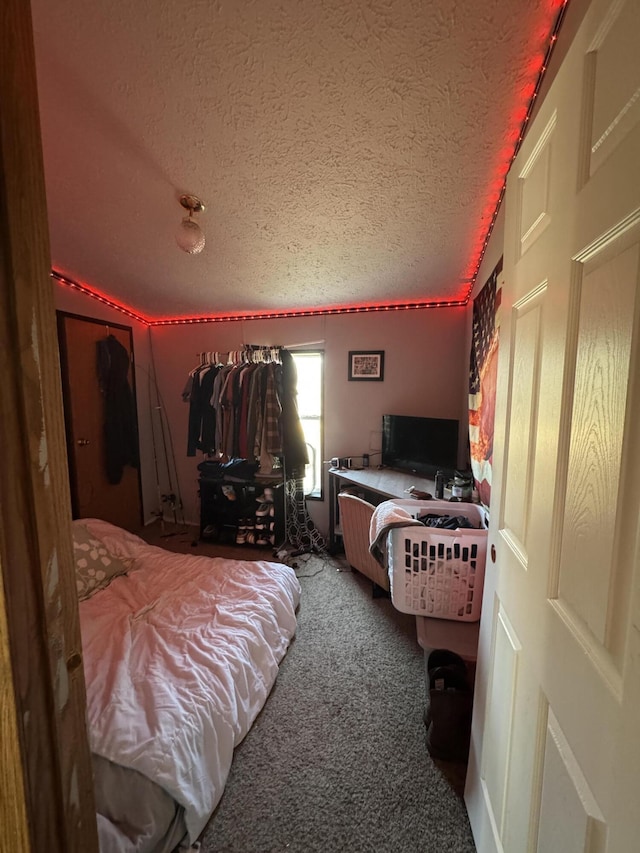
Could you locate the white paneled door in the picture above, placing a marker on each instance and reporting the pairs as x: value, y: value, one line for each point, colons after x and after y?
x: 555, y: 759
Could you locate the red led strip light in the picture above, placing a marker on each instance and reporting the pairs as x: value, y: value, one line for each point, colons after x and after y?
x: 88, y: 291
x: 404, y: 306
x: 267, y: 315
x: 312, y: 312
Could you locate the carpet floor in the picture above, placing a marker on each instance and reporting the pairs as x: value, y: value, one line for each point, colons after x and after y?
x: 337, y: 758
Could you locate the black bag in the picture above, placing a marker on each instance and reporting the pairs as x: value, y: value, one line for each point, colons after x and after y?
x: 445, y: 522
x: 236, y: 470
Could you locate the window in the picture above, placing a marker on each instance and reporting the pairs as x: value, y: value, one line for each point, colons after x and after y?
x: 309, y: 367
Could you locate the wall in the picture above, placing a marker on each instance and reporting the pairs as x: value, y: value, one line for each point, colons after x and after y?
x: 72, y: 301
x: 424, y: 358
x: 426, y: 367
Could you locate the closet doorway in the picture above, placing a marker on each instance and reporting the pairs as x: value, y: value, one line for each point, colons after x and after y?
x: 93, y: 495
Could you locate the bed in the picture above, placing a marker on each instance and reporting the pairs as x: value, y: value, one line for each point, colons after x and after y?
x: 180, y: 653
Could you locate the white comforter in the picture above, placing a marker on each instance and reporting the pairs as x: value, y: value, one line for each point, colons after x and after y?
x: 179, y: 658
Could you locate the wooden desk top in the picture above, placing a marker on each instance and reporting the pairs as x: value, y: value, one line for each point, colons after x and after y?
x: 385, y: 481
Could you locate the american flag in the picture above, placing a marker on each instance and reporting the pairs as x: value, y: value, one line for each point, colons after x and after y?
x: 482, y: 382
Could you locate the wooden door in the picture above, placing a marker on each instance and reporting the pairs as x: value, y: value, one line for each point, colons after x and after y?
x: 92, y: 494
x: 555, y: 759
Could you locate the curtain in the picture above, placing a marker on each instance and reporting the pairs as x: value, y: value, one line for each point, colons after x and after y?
x: 483, y: 370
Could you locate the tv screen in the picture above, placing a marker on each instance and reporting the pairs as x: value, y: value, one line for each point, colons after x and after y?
x: 421, y: 445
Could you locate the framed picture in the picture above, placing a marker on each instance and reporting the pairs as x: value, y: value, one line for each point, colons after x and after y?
x: 366, y: 365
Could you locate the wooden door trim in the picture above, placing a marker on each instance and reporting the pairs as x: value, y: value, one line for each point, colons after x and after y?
x: 45, y: 774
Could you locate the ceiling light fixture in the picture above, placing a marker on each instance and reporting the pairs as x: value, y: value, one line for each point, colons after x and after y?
x: 190, y: 236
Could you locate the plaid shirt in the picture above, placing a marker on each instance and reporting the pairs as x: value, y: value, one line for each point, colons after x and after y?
x: 271, y: 428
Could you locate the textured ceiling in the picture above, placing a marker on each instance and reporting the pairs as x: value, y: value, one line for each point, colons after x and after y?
x: 349, y: 152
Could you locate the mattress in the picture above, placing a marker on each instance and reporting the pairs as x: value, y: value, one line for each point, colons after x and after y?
x: 180, y: 654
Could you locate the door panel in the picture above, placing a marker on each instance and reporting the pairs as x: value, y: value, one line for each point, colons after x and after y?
x: 523, y: 409
x: 502, y: 694
x: 614, y: 77
x: 554, y: 752
x: 93, y: 496
x: 589, y: 576
x: 570, y: 820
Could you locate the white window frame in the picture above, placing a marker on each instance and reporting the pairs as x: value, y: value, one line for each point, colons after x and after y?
x: 317, y: 492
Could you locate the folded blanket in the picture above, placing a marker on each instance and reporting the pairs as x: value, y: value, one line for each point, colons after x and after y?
x: 386, y: 516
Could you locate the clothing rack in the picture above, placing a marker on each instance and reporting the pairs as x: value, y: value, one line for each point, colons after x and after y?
x: 242, y: 404
x: 249, y: 354
x: 220, y: 424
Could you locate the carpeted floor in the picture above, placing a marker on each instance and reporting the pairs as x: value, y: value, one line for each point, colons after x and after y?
x: 337, y: 760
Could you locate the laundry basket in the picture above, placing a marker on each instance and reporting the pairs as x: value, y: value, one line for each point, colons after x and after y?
x: 436, y: 572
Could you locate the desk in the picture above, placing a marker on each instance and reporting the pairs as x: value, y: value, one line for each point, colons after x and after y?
x: 382, y: 484
x: 374, y: 485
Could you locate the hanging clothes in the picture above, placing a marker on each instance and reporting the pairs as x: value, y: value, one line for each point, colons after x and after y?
x: 252, y: 406
x: 245, y: 437
x: 271, y: 436
x: 120, y: 422
x: 198, y: 392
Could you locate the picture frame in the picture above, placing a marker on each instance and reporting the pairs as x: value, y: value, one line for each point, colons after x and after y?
x: 366, y: 366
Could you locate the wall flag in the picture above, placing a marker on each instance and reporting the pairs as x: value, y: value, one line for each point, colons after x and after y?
x: 483, y: 371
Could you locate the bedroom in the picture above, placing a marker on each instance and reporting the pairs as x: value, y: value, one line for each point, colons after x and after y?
x: 358, y: 332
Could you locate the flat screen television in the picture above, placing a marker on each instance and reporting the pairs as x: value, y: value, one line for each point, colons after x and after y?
x: 420, y: 445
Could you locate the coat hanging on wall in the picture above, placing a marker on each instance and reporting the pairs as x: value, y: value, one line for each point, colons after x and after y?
x: 120, y: 423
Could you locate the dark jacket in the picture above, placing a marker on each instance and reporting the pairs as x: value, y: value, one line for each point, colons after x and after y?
x: 120, y: 423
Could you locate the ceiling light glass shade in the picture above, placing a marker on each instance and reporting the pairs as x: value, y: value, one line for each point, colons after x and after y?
x: 190, y: 237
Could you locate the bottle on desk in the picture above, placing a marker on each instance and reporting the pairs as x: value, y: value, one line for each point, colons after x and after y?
x: 439, y: 485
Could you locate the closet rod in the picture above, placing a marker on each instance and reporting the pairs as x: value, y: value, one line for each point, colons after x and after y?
x: 247, y: 355
x: 296, y: 345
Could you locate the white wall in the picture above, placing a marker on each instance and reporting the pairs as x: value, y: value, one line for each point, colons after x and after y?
x: 426, y: 373
x: 424, y: 359
x: 426, y: 367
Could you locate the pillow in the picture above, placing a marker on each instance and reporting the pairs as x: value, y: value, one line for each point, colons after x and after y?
x: 119, y: 543
x: 95, y: 566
